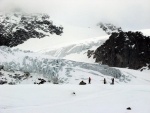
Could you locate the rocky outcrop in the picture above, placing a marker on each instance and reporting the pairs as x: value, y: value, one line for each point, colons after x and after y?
x: 90, y: 53
x: 15, y: 28
x: 109, y: 28
x: 82, y: 83
x: 125, y: 49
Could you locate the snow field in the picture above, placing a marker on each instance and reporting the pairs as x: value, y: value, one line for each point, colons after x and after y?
x: 88, y: 99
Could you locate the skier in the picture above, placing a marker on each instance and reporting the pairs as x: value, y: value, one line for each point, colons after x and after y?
x: 104, y: 81
x: 89, y: 80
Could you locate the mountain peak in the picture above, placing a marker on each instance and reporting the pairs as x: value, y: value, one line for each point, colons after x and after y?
x: 17, y: 27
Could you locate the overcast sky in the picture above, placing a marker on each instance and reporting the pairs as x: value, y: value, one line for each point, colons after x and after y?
x: 79, y: 17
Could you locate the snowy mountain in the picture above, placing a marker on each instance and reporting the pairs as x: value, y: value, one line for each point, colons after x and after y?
x: 17, y: 27
x: 130, y: 92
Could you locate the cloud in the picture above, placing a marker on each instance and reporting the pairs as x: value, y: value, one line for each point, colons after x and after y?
x: 129, y: 14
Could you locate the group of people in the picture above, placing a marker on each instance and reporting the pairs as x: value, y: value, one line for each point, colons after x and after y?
x: 111, y: 82
x: 104, y: 81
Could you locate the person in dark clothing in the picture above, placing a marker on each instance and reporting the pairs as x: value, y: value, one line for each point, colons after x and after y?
x: 104, y: 81
x: 89, y: 80
x: 112, y: 81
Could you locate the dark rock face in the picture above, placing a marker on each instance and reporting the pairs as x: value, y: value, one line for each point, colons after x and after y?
x: 125, y: 49
x: 90, y: 53
x: 109, y: 28
x: 15, y: 28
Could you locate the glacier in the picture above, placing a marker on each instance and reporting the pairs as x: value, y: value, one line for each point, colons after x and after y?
x: 50, y: 67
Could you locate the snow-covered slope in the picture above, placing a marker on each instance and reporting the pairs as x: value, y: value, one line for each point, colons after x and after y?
x: 77, y: 51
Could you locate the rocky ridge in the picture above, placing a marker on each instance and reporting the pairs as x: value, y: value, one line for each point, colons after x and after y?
x: 125, y: 49
x: 17, y: 27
